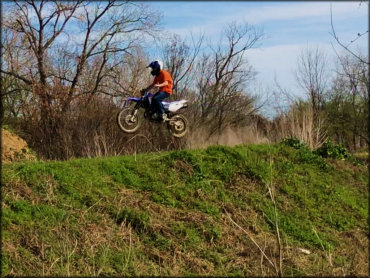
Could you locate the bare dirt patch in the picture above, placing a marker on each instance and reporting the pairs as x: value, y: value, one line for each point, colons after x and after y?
x: 14, y: 148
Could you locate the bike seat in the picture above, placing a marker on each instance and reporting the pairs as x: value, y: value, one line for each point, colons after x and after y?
x: 173, y: 106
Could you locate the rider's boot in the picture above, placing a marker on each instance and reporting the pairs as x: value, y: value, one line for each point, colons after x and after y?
x: 165, y: 118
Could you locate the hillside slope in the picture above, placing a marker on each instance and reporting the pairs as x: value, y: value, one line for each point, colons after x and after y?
x: 197, y: 212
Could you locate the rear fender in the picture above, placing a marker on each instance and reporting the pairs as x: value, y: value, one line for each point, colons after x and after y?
x: 175, y: 105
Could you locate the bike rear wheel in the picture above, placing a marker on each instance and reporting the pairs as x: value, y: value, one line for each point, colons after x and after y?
x: 129, y: 120
x: 178, y: 125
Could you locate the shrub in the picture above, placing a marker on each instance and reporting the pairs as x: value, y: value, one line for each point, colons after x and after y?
x: 293, y: 142
x: 305, y: 154
x: 329, y: 149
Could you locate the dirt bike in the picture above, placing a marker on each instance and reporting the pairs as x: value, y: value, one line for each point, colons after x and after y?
x: 130, y: 118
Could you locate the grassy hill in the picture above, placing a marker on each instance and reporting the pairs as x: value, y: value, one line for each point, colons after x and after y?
x: 221, y: 211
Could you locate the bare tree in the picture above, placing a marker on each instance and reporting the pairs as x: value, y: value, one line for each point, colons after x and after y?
x: 39, y: 24
x: 179, y: 58
x: 362, y: 59
x: 222, y: 77
x: 312, y: 76
x: 346, y: 46
x: 132, y: 75
x: 346, y: 106
x: 67, y: 43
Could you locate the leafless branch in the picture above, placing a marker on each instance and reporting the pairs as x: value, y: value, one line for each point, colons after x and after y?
x: 346, y: 47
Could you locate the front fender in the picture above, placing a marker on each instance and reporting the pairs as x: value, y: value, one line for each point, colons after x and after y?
x: 126, y: 102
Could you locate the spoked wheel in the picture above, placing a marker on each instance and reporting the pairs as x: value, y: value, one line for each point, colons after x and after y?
x: 178, y: 125
x: 129, y: 120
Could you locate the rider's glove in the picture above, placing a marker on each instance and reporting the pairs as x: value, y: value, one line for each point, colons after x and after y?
x: 142, y: 91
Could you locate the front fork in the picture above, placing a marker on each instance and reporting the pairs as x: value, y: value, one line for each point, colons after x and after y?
x: 133, y: 116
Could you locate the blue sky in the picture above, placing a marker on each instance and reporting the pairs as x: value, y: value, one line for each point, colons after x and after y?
x: 289, y: 27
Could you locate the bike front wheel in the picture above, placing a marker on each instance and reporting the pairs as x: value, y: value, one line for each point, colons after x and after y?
x: 129, y: 120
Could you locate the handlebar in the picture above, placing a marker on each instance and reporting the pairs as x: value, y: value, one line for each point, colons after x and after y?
x: 143, y: 92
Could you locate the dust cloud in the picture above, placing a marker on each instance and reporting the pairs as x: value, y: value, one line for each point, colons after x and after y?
x: 198, y: 139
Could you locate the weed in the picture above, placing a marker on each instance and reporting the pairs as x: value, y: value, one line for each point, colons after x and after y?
x: 294, y: 142
x: 329, y: 149
x: 159, y: 241
x: 163, y: 213
x: 212, y: 233
x: 138, y: 220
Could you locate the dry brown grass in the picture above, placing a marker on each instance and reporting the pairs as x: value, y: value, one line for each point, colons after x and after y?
x: 299, y: 122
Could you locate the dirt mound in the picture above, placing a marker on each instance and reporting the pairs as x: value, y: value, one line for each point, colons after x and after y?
x: 14, y: 148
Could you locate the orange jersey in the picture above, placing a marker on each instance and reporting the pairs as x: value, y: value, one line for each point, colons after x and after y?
x: 162, y: 77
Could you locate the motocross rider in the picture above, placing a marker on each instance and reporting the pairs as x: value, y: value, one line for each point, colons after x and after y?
x: 162, y: 81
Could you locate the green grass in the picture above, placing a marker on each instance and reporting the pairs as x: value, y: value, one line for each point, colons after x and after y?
x: 165, y: 213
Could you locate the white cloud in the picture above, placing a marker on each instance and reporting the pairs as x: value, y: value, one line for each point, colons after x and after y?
x: 260, y: 12
x: 280, y: 62
x: 297, y: 25
x: 295, y: 11
x: 219, y: 14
